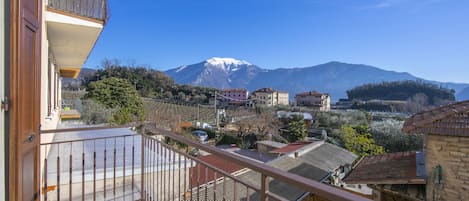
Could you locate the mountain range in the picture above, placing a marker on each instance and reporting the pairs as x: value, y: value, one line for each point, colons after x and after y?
x: 334, y: 78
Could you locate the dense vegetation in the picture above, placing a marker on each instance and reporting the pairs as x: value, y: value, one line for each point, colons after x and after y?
x: 401, y: 90
x: 119, y: 95
x: 152, y: 83
x: 357, y: 131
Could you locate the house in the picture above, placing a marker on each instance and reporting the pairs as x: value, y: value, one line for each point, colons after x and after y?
x: 393, y: 176
x: 236, y: 97
x: 307, y: 117
x: 313, y: 99
x: 446, y: 148
x: 269, y: 97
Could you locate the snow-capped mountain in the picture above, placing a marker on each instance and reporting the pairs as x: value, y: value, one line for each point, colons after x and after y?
x: 216, y: 71
x: 334, y: 78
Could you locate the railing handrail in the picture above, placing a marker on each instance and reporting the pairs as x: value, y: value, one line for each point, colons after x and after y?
x: 308, y: 185
x: 66, y: 130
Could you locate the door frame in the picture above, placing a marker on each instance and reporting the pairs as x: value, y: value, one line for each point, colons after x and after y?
x: 14, y: 21
x: 3, y: 87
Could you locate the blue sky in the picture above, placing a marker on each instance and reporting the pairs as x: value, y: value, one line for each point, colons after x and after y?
x: 428, y: 38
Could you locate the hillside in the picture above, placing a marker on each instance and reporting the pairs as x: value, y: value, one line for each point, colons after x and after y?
x: 334, y: 78
x: 401, y: 90
x: 463, y: 94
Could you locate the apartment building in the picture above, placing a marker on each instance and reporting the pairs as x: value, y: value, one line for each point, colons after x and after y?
x: 270, y: 97
x: 235, y: 96
x: 313, y: 99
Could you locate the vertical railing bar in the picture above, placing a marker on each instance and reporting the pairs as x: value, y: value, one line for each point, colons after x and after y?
x: 264, y: 187
x: 191, y: 175
x: 215, y: 185
x: 169, y: 172
x: 164, y: 173
x: 157, y: 148
x: 123, y: 169
x: 45, y: 173
x: 83, y: 171
x: 105, y: 161
x: 174, y: 171
x: 235, y: 197
x: 185, y: 177
x: 142, y: 167
x: 198, y: 181
x: 133, y: 165
x: 224, y: 188
x: 247, y: 193
x: 153, y: 168
x: 114, y: 174
x: 70, y: 173
x: 58, y: 171
x: 161, y: 172
x: 206, y: 182
x: 179, y: 176
x: 148, y: 167
x: 94, y: 170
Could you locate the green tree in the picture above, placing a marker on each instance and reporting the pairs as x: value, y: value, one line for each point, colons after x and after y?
x: 118, y: 94
x: 297, y: 130
x: 359, y: 140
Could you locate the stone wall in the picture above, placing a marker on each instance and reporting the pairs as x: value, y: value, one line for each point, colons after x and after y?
x: 452, y: 154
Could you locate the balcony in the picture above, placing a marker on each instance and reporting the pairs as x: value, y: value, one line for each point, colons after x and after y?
x: 92, y: 9
x: 117, y: 163
x: 73, y: 27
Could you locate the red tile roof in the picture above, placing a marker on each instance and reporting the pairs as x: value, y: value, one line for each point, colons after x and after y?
x: 393, y: 168
x: 290, y: 147
x: 199, y: 171
x: 445, y: 120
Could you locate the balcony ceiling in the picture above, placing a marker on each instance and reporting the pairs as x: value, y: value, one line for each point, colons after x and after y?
x: 71, y: 39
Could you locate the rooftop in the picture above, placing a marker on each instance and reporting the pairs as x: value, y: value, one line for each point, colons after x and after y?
x: 451, y: 119
x: 393, y: 168
x: 290, y: 147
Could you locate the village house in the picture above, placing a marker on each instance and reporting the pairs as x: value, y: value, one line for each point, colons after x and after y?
x: 394, y: 176
x: 313, y: 99
x: 446, y: 149
x: 269, y: 97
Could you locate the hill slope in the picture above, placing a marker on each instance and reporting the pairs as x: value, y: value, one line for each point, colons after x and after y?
x: 334, y: 78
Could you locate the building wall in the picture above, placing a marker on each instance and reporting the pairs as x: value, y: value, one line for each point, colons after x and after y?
x: 321, y: 102
x: 2, y: 95
x: 452, y: 153
x: 49, y: 120
x: 282, y: 98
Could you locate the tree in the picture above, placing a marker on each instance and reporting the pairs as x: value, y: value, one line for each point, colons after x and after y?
x: 359, y: 140
x: 118, y: 94
x: 297, y: 130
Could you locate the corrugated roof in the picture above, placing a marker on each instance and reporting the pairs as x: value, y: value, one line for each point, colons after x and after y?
x: 329, y: 157
x: 451, y: 119
x: 287, y: 191
x: 393, y: 168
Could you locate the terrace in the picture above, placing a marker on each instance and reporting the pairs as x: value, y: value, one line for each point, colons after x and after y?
x: 103, y: 163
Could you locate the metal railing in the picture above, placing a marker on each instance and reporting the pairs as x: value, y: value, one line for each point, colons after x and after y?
x: 108, y: 164
x: 94, y: 9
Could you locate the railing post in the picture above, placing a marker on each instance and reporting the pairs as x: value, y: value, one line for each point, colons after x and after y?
x: 264, y: 187
x: 142, y: 164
